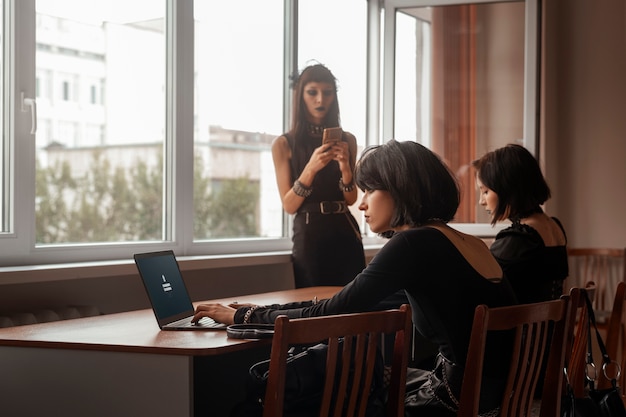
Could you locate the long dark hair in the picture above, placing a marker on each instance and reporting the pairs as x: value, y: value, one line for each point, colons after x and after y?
x: 514, y: 174
x: 313, y: 73
x: 422, y: 186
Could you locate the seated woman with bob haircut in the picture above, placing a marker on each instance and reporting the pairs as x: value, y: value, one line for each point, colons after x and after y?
x: 532, y: 250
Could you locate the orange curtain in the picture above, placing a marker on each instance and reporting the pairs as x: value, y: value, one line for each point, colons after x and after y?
x: 454, y: 96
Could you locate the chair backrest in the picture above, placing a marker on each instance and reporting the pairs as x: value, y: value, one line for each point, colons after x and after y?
x: 576, y: 353
x: 615, y: 337
x: 361, y: 334
x: 604, y: 266
x: 531, y: 325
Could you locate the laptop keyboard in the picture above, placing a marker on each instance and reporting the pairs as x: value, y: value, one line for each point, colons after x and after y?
x: 203, y: 322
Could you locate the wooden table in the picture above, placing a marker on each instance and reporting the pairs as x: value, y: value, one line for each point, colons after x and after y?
x: 123, y: 365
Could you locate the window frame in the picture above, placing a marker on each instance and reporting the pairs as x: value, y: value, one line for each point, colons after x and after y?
x: 531, y: 62
x: 18, y: 246
x: 531, y: 80
x: 18, y: 70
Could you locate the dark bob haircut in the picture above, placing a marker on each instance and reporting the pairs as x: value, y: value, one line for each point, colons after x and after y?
x: 422, y: 187
x: 514, y: 174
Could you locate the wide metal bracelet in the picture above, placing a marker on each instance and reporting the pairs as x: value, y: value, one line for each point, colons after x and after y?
x: 246, y: 317
x: 301, y: 190
x: 346, y: 188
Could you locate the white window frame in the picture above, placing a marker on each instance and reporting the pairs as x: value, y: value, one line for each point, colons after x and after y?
x: 17, y: 247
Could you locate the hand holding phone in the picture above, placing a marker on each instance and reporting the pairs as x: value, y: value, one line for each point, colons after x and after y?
x: 332, y: 135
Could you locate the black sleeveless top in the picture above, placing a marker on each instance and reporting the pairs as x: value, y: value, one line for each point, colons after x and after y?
x: 536, y: 271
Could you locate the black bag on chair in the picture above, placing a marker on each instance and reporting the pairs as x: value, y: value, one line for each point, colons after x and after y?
x: 304, y: 385
x: 598, y: 403
x: 609, y: 401
x: 578, y: 407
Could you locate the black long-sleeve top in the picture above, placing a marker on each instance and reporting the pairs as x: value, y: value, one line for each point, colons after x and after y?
x: 442, y: 287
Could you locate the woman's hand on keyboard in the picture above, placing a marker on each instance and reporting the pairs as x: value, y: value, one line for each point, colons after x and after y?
x: 218, y: 312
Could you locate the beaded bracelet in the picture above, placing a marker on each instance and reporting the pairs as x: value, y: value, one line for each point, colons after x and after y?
x: 246, y: 317
x: 301, y: 190
x: 346, y: 188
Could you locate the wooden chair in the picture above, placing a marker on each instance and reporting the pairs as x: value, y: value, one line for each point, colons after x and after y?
x: 530, y: 323
x: 361, y: 334
x: 615, y: 338
x: 576, y: 353
x: 604, y: 266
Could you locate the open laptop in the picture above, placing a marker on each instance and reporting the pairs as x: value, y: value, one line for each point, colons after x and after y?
x: 168, y: 294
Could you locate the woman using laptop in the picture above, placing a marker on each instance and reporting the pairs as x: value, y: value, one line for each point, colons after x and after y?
x: 409, y: 197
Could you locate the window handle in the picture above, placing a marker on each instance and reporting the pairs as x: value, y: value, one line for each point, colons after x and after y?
x: 30, y: 102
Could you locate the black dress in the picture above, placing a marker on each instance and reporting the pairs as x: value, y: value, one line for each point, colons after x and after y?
x: 327, y: 245
x: 536, y: 271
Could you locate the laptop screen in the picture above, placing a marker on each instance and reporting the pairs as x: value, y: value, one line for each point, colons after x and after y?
x: 164, y: 284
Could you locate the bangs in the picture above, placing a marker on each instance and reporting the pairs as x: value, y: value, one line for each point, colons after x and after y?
x: 367, y: 173
x: 317, y: 74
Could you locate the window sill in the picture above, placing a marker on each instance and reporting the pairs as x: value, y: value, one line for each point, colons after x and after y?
x: 126, y: 267
x: 87, y: 270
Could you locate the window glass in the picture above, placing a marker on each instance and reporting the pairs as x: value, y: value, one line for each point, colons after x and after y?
x: 238, y: 103
x: 460, y: 85
x: 334, y: 33
x: 412, y: 97
x: 100, y: 68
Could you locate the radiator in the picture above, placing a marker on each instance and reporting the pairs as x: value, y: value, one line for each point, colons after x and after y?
x: 47, y: 315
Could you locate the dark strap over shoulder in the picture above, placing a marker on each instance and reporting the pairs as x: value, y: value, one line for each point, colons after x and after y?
x: 561, y: 226
x: 289, y: 139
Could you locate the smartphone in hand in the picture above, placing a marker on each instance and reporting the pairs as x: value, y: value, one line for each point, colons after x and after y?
x: 332, y: 135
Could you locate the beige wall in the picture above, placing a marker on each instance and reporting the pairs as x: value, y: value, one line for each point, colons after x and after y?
x: 585, y: 118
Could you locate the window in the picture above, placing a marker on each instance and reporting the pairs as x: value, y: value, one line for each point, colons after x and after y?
x: 93, y: 97
x: 460, y: 80
x: 43, y: 86
x: 147, y: 124
x: 99, y: 177
x: 65, y: 90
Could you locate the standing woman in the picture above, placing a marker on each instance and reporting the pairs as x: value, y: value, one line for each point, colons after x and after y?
x: 316, y: 183
x: 532, y: 251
